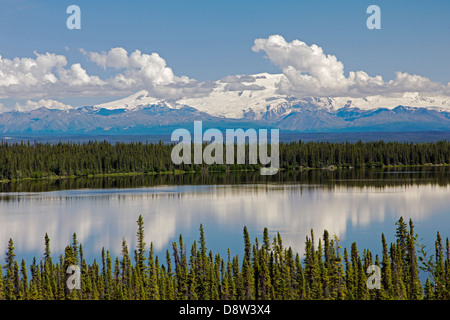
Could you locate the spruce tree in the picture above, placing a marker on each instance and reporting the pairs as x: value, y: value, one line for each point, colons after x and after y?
x: 10, y: 293
x: 323, y: 271
x: 224, y: 285
x: 428, y: 290
x: 153, y: 289
x: 195, y: 287
x: 125, y: 266
x: 109, y: 284
x: 170, y: 287
x: 75, y: 249
x: 201, y: 268
x: 247, y: 270
x: 439, y: 289
x: 338, y: 290
x: 386, y: 272
x: 47, y: 252
x: 402, y: 236
x: 300, y: 279
x: 69, y: 260
x: 140, y: 257
x: 397, y: 272
x: 414, y: 285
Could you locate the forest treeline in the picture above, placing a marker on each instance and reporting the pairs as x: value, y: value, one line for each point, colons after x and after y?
x: 37, y: 160
x: 266, y: 270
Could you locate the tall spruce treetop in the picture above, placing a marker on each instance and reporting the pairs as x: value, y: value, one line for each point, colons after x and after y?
x: 75, y: 248
x: 402, y: 235
x: 10, y: 256
x: 140, y: 257
x: 47, y: 253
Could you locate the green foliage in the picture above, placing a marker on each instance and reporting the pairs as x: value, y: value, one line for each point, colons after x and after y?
x: 267, y: 271
x: 27, y: 160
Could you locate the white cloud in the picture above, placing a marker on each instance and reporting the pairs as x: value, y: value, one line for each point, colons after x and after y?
x: 116, y: 58
x: 49, y: 76
x: 47, y: 103
x: 242, y: 87
x: 238, y: 79
x: 146, y: 72
x: 76, y: 76
x: 309, y: 71
x: 43, y: 77
x: 148, y: 69
x: 28, y: 71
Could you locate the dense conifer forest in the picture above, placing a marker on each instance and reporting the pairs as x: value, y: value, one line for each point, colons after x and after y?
x: 38, y: 160
x: 267, y: 270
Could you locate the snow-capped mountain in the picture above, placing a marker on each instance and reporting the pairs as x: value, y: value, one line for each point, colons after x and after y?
x: 243, y: 102
x: 140, y: 98
x: 257, y: 96
x: 230, y: 98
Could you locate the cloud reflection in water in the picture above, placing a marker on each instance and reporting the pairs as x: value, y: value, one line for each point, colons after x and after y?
x: 102, y: 218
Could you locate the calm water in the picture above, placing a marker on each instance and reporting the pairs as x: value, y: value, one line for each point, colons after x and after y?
x: 354, y: 205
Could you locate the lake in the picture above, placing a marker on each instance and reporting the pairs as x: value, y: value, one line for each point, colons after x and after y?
x: 354, y: 205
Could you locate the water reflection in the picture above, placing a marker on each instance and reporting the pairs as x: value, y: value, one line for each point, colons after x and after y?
x: 354, y: 177
x: 353, y: 209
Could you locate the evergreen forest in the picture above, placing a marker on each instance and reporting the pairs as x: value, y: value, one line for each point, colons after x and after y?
x: 267, y: 270
x: 37, y: 160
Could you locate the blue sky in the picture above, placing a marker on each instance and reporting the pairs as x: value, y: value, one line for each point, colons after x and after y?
x: 208, y: 40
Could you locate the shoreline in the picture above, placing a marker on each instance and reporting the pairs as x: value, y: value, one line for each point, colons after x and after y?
x: 179, y: 172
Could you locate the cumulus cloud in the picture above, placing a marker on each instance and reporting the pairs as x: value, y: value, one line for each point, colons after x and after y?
x: 49, y: 75
x: 150, y: 68
x: 28, y: 71
x: 309, y: 71
x: 146, y: 71
x: 46, y: 75
x: 116, y: 58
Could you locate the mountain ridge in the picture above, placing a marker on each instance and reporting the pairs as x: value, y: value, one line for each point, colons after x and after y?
x: 238, y: 102
x: 160, y: 118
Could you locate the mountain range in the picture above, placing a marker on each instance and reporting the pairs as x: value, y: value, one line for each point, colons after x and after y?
x: 237, y: 102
